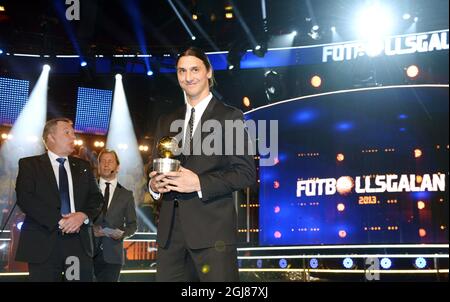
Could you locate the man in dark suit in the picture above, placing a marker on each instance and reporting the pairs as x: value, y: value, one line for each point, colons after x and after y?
x: 118, y: 213
x: 197, y: 230
x: 60, y: 198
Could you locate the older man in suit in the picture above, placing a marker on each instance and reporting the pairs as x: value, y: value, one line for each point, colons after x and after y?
x: 60, y: 198
x: 197, y: 230
x: 118, y: 213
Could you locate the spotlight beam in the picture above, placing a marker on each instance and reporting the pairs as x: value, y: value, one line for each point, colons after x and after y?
x: 26, y: 132
x: 198, y: 27
x: 122, y: 139
x: 180, y: 18
x: 244, y: 25
x: 133, y: 12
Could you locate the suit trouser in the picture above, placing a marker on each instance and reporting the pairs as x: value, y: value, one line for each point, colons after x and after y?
x: 69, y: 257
x: 104, y: 271
x: 178, y: 262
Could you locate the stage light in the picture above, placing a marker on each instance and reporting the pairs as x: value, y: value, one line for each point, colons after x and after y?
x: 348, y: 263
x: 234, y: 59
x: 340, y: 207
x: 421, y: 205
x: 2, y: 8
x: 122, y: 138
x: 194, y: 17
x: 412, y: 71
x: 333, y: 29
x: 118, y: 77
x: 1, y: 51
x: 344, y: 185
x: 83, y: 64
x: 259, y: 263
x: 276, y: 184
x: 149, y: 73
x: 260, y: 49
x: 46, y: 68
x: 246, y: 101
x: 313, y: 263
x: 416, y: 19
x: 420, y: 263
x: 406, y: 16
x: 294, y: 33
x: 277, y: 209
x: 342, y: 234
x: 22, y: 139
x: 422, y: 233
x: 3, y: 246
x: 274, y: 86
x: 229, y: 15
x: 316, y: 81
x: 417, y: 153
x: 193, y: 38
x: 315, y: 27
x: 4, y: 136
x: 19, y: 225
x: 386, y: 263
x: 374, y: 22
x: 340, y: 157
x: 282, y: 263
x: 277, y: 234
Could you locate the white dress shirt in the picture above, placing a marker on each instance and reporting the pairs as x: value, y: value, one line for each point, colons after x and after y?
x: 112, y: 186
x: 199, y: 110
x: 55, y: 166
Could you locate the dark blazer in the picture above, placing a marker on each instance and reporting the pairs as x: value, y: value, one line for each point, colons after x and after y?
x: 121, y: 214
x: 38, y: 197
x: 211, y: 220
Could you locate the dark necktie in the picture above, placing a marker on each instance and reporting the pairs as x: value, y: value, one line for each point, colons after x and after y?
x: 106, y: 199
x: 63, y: 187
x: 190, y: 131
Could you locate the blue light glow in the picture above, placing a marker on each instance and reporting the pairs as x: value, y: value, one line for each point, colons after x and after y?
x: 344, y: 126
x: 386, y: 263
x: 305, y: 116
x: 313, y: 263
x: 347, y: 263
x: 420, y: 262
x: 282, y: 263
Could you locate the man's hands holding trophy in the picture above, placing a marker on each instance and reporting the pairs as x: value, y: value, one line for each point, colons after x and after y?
x: 168, y: 175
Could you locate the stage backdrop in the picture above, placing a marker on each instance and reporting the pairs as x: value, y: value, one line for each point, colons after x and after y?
x: 358, y: 167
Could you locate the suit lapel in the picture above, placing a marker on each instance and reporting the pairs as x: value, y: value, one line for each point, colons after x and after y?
x: 115, y: 198
x: 208, y: 114
x: 75, y: 171
x: 48, y: 170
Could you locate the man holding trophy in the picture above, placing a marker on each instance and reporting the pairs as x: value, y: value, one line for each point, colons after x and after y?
x: 197, y: 230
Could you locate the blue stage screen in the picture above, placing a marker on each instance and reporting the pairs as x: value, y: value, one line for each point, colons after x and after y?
x: 93, y: 111
x: 13, y: 97
x: 358, y: 167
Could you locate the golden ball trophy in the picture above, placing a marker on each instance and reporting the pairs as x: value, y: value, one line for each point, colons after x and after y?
x: 167, y: 148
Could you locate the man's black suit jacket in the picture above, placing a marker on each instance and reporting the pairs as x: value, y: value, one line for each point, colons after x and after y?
x: 121, y: 214
x: 38, y: 197
x: 212, y: 220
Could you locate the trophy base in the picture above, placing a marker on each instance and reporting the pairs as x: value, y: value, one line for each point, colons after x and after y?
x: 164, y: 165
